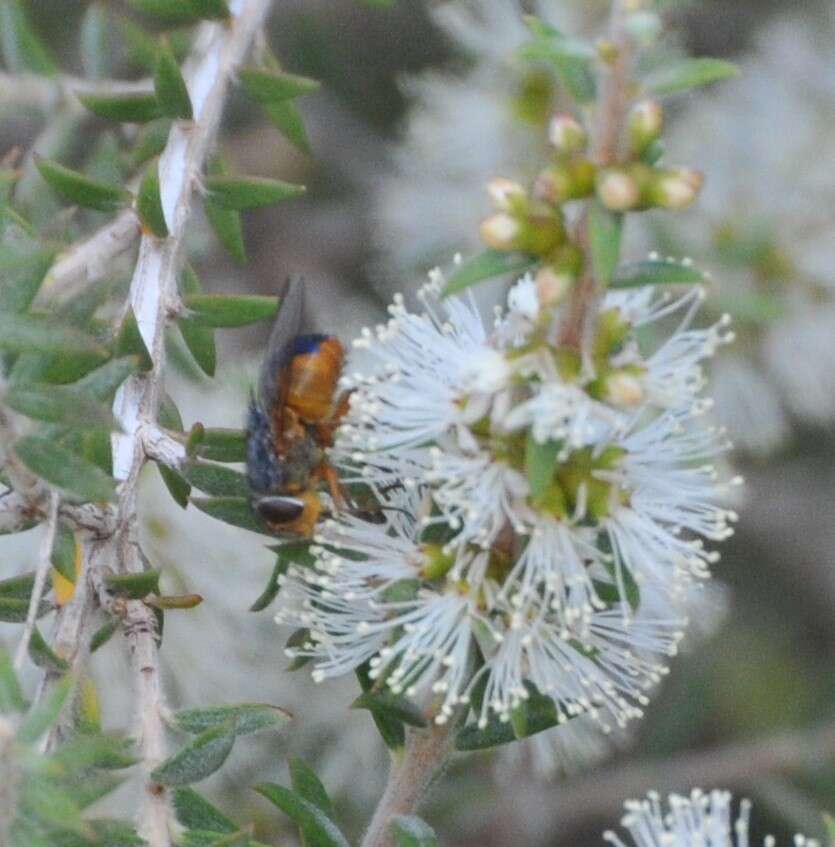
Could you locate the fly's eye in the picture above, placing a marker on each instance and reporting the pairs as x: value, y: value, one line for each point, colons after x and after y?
x: 279, y: 510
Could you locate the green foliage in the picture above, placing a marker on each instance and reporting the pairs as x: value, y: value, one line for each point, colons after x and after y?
x: 690, y: 73
x: 170, y: 86
x: 486, y: 265
x: 411, y: 831
x: 216, y: 480
x: 243, y: 718
x: 605, y: 229
x: 228, y: 310
x: 316, y: 827
x: 22, y: 48
x: 235, y: 511
x: 80, y: 189
x: 655, y: 272
x: 240, y: 193
x: 199, y: 758
x: 388, y: 705
x: 148, y: 202
x: 125, y: 108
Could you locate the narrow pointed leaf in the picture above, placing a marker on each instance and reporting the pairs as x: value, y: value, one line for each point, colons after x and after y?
x: 170, y: 87
x: 411, y: 831
x: 125, y: 108
x: 392, y: 705
x: 391, y: 730
x: 103, y: 634
x: 134, y: 586
x: 200, y: 758
x: 44, y: 656
x: 250, y: 192
x: 129, y: 342
x: 30, y: 334
x: 232, y: 510
x: 177, y: 487
x: 490, y: 263
x: 11, y: 695
x: 287, y: 119
x: 240, y: 718
x: 103, y: 382
x: 216, y: 480
x: 223, y: 445
x: 151, y: 141
x: 148, y: 202
x: 690, y: 73
x: 15, y: 609
x: 63, y: 554
x: 168, y: 11
x: 271, y: 86
x: 18, y: 586
x: 199, y: 339
x: 22, y: 271
x: 225, y: 222
x: 81, y: 189
x: 22, y: 49
x: 194, y: 812
x: 655, y: 272
x: 65, y: 469
x: 44, y: 713
x: 229, y: 310
x: 308, y: 786
x: 317, y: 828
x: 61, y: 404
x: 271, y: 591
x: 52, y: 805
x: 540, y: 462
x: 605, y: 230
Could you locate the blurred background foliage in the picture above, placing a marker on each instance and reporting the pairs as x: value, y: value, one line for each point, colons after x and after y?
x: 770, y: 664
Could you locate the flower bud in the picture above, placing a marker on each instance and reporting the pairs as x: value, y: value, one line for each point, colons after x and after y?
x: 506, y: 194
x: 677, y: 188
x: 646, y: 120
x: 500, y: 231
x: 624, y: 389
x: 553, y: 285
x: 618, y: 190
x: 567, y: 135
x: 567, y: 181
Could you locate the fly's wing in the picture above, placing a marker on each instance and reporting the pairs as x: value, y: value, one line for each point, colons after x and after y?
x: 272, y: 381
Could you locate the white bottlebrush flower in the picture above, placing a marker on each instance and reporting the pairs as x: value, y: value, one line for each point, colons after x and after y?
x: 760, y: 220
x: 570, y: 581
x: 700, y: 820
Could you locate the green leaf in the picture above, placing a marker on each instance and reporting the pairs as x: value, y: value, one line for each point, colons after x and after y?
x: 129, y: 341
x: 239, y: 718
x: 199, y: 339
x: 95, y: 42
x: 170, y: 86
x: 177, y: 487
x: 51, y: 805
x: 250, y: 192
x: 136, y: 107
x: 271, y: 591
x: 61, y: 404
x: 200, y: 758
x: 15, y: 609
x: 11, y: 696
x: 168, y: 11
x: 103, y: 382
x: 150, y: 142
x: 391, y: 730
x: 655, y: 272
x: 317, y: 828
x: 210, y: 9
x: 540, y: 462
x: 18, y: 586
x: 148, y: 202
x: 226, y: 223
x: 80, y: 189
x: 286, y: 118
x: 22, y: 49
x: 690, y: 73
x: 216, y: 480
x: 272, y: 86
x: 103, y: 634
x: 230, y: 310
x: 134, y: 586
x: 391, y: 705
x: 169, y: 415
x: 485, y: 265
x: 43, y: 655
x: 45, y: 712
x: 605, y: 230
x: 174, y: 601
x: 63, y: 552
x: 572, y: 60
x: 31, y: 334
x: 22, y: 271
x: 64, y: 469
x: 232, y: 510
x: 411, y: 831
x: 194, y: 812
x: 308, y: 786
x: 223, y: 445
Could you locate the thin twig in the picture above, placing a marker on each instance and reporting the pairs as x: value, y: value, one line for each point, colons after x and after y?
x: 409, y: 780
x: 44, y: 555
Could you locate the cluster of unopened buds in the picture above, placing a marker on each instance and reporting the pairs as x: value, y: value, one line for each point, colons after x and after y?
x: 534, y: 221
